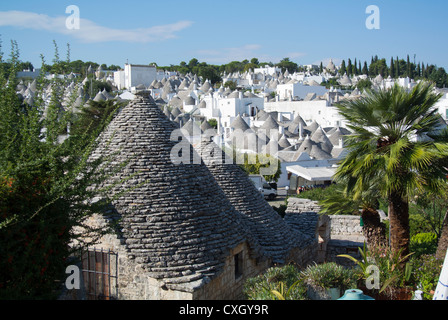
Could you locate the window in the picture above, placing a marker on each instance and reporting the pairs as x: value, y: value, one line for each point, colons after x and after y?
x: 98, y: 268
x: 238, y: 261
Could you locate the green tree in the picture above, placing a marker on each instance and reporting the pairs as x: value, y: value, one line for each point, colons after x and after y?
x: 231, y: 85
x: 343, y: 68
x: 44, y: 187
x: 364, y: 84
x: 255, y: 61
x: 286, y: 64
x: 365, y: 69
x: 193, y: 63
x: 384, y: 153
x: 92, y: 117
x: 210, y: 73
x: 392, y: 68
x: 349, y: 68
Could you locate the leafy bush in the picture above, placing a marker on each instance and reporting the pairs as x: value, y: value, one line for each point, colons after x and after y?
x: 261, y: 287
x: 330, y: 275
x: 423, y: 243
x: 426, y: 273
x: 45, y: 187
x: 318, y: 194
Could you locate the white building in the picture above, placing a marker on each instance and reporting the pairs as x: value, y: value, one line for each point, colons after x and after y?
x: 134, y: 75
x: 442, y: 106
x: 267, y: 70
x: 294, y: 90
x: 317, y: 110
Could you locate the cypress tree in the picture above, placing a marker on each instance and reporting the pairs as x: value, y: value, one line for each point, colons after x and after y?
x: 349, y: 67
x: 392, y: 68
x: 343, y: 69
x: 408, y: 67
x: 365, y: 69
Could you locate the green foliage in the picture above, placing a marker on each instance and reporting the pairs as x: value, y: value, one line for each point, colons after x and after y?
x: 394, y: 272
x: 231, y: 85
x: 93, y: 116
x: 279, y: 279
x: 364, y: 84
x: 44, y: 188
x: 424, y: 243
x: 426, y: 273
x: 330, y: 275
x: 213, y: 123
x: 319, y: 194
x: 363, y: 263
x: 252, y: 164
x: 332, y: 82
x: 385, y: 157
x: 93, y: 86
x: 286, y: 64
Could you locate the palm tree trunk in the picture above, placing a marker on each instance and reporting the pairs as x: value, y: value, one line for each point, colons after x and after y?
x: 443, y: 240
x: 374, y: 230
x: 399, y: 223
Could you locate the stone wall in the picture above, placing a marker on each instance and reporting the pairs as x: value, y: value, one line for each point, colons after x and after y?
x: 134, y: 283
x: 228, y: 285
x: 332, y: 234
x: 346, y: 238
x: 343, y: 225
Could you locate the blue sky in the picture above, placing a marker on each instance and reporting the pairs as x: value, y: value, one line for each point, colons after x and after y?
x: 217, y: 32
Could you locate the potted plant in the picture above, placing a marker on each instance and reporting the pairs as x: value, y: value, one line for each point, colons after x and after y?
x: 394, y: 272
x: 328, y: 281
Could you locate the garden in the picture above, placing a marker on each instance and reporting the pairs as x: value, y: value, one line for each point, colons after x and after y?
x: 396, y: 163
x: 329, y: 280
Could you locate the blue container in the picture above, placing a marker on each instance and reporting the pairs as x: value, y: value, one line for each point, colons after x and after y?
x: 355, y: 294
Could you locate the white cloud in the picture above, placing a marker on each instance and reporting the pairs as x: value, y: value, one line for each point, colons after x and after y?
x: 89, y: 31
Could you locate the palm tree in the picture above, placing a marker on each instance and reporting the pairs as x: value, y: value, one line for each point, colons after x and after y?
x: 340, y: 202
x: 390, y: 150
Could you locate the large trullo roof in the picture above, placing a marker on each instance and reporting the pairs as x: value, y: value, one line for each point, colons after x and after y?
x: 274, y: 235
x: 176, y: 221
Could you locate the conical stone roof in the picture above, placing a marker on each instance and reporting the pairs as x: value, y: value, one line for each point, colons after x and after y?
x: 175, y: 219
x: 239, y: 124
x: 191, y: 128
x: 276, y: 237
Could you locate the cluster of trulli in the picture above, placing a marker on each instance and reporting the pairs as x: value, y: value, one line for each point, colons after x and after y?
x: 27, y: 92
x: 293, y: 136
x: 73, y: 93
x: 188, y: 227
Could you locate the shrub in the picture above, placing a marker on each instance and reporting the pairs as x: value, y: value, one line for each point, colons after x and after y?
x: 423, y: 243
x: 330, y: 275
x: 261, y: 287
x: 426, y: 273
